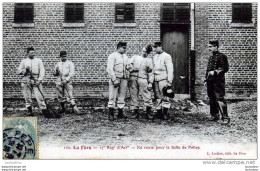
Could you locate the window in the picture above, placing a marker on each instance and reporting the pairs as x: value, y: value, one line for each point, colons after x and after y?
x: 74, y: 12
x: 175, y: 12
x: 125, y: 13
x: 23, y: 13
x: 241, y: 13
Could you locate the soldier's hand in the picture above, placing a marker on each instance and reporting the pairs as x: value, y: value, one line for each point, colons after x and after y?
x: 149, y: 70
x: 27, y: 70
x: 211, y: 73
x: 57, y: 70
x: 64, y: 82
x: 169, y: 84
x: 38, y: 82
x: 116, y: 83
x: 150, y: 87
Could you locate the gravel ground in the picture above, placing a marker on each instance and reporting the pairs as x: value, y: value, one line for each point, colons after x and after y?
x: 188, y: 123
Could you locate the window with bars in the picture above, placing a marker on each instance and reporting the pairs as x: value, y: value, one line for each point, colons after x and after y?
x: 241, y: 12
x: 74, y: 12
x: 175, y: 12
x: 23, y: 13
x: 125, y: 13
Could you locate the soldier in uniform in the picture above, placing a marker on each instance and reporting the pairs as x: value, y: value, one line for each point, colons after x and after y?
x: 163, y: 76
x: 215, y: 80
x: 33, y: 72
x: 141, y: 80
x: 118, y: 74
x: 64, y: 70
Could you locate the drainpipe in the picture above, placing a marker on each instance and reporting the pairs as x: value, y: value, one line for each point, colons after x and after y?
x: 192, y: 52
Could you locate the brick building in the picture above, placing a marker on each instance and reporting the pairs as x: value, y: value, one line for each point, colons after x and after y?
x: 90, y: 31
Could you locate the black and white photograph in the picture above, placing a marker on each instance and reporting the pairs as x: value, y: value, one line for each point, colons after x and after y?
x: 129, y: 80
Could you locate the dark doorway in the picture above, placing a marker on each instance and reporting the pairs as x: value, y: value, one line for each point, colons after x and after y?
x: 175, y: 39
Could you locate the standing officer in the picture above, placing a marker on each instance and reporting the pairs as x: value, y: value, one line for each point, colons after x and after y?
x: 116, y: 68
x: 163, y: 76
x: 215, y: 79
x: 141, y: 79
x: 33, y: 72
x: 64, y: 70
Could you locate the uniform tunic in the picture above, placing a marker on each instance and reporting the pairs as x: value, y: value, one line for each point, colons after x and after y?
x: 216, y: 84
x: 163, y: 74
x: 116, y: 69
x: 36, y: 67
x: 141, y: 74
x: 66, y: 72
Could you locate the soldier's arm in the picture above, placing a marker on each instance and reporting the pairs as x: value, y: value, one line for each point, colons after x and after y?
x: 41, y: 70
x: 130, y: 64
x: 224, y: 66
x: 21, y: 69
x: 72, y: 72
x: 150, y: 70
x: 110, y: 67
x: 55, y: 72
x: 169, y: 66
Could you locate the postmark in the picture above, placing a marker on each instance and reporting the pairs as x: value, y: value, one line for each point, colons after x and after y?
x: 20, y: 140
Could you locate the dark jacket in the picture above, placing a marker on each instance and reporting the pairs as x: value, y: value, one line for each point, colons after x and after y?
x: 219, y: 64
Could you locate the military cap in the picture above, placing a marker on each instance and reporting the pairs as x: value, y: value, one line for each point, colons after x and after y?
x: 148, y: 48
x: 214, y: 43
x: 156, y: 44
x: 121, y: 44
x: 29, y: 49
x: 167, y: 91
x: 63, y: 53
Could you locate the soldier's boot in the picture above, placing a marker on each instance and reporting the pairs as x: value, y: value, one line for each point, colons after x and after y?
x: 165, y: 114
x: 121, y: 114
x: 158, y: 114
x: 214, y: 118
x: 148, y: 112
x: 46, y: 114
x: 29, y: 111
x: 223, y: 111
x: 111, y: 114
x: 63, y: 108
x: 136, y: 113
x: 76, y: 109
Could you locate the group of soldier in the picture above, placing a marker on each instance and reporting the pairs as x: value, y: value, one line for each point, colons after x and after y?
x: 140, y: 73
x: 32, y: 70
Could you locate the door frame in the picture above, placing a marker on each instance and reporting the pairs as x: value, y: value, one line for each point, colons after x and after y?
x: 169, y: 28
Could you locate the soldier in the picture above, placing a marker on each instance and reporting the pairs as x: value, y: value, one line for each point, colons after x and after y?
x: 33, y: 72
x: 141, y: 79
x: 116, y: 68
x: 163, y: 76
x: 215, y: 80
x: 64, y: 70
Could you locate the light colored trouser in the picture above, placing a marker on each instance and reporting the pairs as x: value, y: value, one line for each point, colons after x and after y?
x: 138, y: 86
x: 117, y: 92
x: 66, y: 94
x: 27, y: 89
x: 161, y: 100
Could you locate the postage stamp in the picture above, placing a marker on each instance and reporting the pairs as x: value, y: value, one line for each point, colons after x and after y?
x: 20, y: 138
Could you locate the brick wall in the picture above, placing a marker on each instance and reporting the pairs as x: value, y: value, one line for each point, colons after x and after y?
x: 238, y: 43
x: 87, y: 47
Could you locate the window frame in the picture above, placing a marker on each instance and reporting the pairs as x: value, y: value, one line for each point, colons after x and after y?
x: 239, y: 19
x: 73, y: 20
x: 24, y: 20
x: 176, y: 8
x: 124, y: 13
